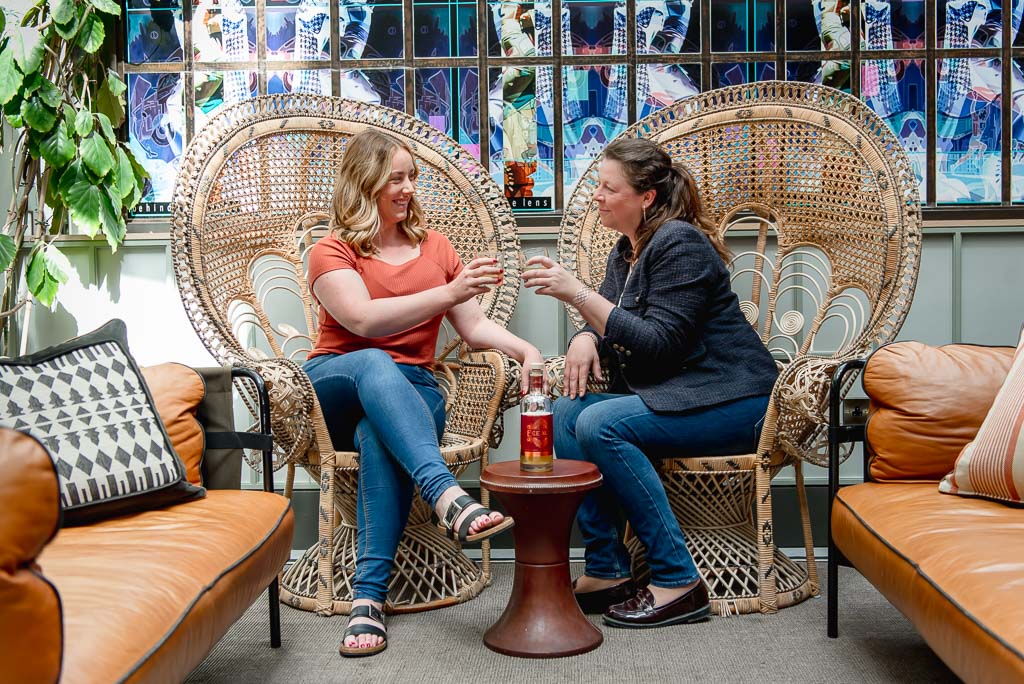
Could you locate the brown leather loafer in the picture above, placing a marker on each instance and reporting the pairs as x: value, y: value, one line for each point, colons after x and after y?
x: 640, y: 611
x: 597, y: 602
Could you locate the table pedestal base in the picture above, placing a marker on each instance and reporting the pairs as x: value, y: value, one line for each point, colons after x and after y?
x: 542, y: 619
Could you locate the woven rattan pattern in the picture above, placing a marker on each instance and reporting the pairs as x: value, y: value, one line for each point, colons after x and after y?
x: 832, y: 200
x: 252, y: 189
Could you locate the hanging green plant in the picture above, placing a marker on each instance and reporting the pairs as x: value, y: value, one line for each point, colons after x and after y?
x: 64, y: 105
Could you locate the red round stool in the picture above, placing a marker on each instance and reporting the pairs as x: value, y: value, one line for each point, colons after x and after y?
x: 542, y: 618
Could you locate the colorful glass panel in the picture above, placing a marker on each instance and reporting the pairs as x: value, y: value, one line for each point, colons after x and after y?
x: 594, y: 103
x: 156, y: 32
x: 743, y: 72
x: 156, y: 133
x: 519, y: 29
x: 370, y: 30
x: 593, y: 27
x: 315, y: 81
x: 216, y: 89
x: 659, y: 85
x: 298, y: 30
x: 449, y: 100
x: 224, y: 30
x: 892, y: 24
x: 444, y: 29
x: 521, y: 113
x: 969, y: 23
x: 895, y: 89
x: 967, y: 128
x: 667, y: 27
x: 742, y: 25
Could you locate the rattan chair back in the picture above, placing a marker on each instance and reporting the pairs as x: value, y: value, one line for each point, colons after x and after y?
x: 820, y: 206
x: 253, y: 193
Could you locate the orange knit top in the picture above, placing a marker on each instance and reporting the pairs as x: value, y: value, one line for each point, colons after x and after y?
x: 437, y: 264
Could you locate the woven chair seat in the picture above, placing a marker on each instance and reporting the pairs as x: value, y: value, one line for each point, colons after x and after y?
x: 821, y: 207
x: 252, y: 195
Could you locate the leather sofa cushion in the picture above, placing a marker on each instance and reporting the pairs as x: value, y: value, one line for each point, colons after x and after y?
x: 926, y: 404
x: 30, y: 615
x: 177, y: 392
x: 953, y: 566
x: 147, y: 596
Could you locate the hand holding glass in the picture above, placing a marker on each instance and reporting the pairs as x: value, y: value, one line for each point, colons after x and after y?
x: 529, y: 253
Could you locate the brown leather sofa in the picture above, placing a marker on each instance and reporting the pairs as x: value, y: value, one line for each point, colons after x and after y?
x: 953, y: 565
x: 142, y: 597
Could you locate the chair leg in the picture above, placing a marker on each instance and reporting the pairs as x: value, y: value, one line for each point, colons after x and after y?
x: 275, y: 614
x: 805, y: 519
x: 833, y: 592
x: 326, y: 514
x: 765, y: 539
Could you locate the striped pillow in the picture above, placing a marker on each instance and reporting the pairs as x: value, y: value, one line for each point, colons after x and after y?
x: 992, y: 466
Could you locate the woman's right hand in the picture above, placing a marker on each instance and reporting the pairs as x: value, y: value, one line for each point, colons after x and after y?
x: 477, y: 278
x: 581, y: 359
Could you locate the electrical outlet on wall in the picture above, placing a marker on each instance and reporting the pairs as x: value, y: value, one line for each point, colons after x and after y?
x: 855, y: 411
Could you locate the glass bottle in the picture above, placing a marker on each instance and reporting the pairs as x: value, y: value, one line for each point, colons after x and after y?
x: 536, y: 436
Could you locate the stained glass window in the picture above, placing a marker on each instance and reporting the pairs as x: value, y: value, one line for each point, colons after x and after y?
x: 535, y: 89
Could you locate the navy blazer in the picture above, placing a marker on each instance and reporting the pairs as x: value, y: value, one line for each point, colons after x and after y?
x: 677, y: 337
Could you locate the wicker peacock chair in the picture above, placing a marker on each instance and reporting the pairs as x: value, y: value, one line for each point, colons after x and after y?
x: 824, y: 203
x: 251, y: 196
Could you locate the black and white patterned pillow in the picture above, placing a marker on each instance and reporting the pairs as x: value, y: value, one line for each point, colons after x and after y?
x: 86, y: 401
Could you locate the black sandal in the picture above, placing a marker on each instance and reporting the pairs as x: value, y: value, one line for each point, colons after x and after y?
x: 366, y: 611
x: 462, y: 535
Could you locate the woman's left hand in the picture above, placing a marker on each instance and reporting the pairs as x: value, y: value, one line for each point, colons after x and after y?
x: 552, y: 279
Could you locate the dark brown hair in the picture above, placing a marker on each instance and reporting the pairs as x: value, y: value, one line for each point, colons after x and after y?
x: 647, y: 166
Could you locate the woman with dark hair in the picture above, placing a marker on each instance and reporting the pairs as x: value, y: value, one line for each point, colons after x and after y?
x: 384, y: 282
x: 688, y: 377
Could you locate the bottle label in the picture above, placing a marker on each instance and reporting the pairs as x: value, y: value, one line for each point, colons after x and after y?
x: 536, y: 440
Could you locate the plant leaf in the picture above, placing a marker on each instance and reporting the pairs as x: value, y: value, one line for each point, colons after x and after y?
x: 10, y: 76
x: 57, y: 265
x: 92, y: 34
x: 36, y: 272
x: 96, y: 154
x: 83, y: 123
x: 47, y: 270
x: 108, y: 130
x: 59, y: 148
x: 109, y: 103
x: 50, y: 94
x: 37, y: 115
x: 114, y: 82
x: 27, y: 45
x: 83, y: 200
x: 7, y: 251
x: 111, y: 218
x: 62, y: 11
x: 125, y: 175
x: 106, y: 6
x: 15, y: 120
x: 3, y: 21
x: 67, y: 31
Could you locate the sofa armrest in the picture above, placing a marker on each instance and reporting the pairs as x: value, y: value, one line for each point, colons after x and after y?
x: 30, y: 620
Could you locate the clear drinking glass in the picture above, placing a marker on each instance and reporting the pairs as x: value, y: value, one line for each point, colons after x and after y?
x: 528, y: 253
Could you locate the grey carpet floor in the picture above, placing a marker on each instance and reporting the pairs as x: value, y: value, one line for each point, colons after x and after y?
x: 876, y: 644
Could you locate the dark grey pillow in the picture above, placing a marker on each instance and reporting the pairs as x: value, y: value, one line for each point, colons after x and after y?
x: 86, y: 401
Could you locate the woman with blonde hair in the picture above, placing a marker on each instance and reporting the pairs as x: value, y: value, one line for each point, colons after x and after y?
x: 384, y: 282
x: 689, y: 377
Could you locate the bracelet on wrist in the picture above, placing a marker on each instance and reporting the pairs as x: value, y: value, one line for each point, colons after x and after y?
x: 581, y: 296
x: 594, y: 337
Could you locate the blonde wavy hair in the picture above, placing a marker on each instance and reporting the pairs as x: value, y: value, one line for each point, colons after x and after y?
x: 364, y: 171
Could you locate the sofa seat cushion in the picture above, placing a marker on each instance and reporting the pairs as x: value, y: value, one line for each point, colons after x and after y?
x: 146, y: 596
x: 953, y: 566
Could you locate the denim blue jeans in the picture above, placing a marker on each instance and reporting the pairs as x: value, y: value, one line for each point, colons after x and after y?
x: 621, y: 436
x: 393, y: 415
